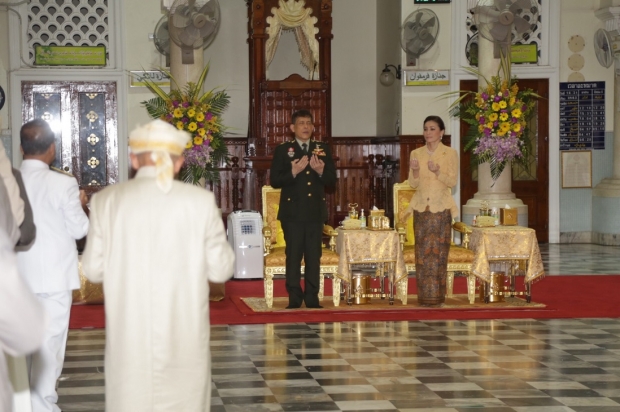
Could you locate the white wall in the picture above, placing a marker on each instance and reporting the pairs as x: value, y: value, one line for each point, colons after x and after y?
x: 576, y: 205
x: 418, y: 102
x: 227, y: 56
x: 354, y: 72
x: 388, y: 52
x: 578, y: 18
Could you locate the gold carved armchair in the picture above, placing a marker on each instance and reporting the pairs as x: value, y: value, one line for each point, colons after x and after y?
x: 275, y: 258
x: 460, y: 259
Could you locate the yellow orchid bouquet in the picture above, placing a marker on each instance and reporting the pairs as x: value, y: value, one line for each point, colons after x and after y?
x: 200, y: 114
x: 497, y: 115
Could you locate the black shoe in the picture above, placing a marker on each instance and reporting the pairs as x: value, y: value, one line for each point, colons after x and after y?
x: 314, y: 307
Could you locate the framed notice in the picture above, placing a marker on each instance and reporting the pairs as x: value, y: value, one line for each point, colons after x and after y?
x: 524, y: 53
x: 577, y: 169
x: 582, y: 116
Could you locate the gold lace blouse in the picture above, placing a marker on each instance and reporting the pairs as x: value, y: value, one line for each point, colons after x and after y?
x: 433, y: 191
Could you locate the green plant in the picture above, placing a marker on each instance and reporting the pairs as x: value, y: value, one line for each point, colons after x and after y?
x: 200, y: 114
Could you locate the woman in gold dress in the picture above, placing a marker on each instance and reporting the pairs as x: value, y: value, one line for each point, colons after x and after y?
x: 433, y: 171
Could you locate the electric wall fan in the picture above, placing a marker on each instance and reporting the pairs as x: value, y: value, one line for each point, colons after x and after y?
x: 193, y: 24
x: 418, y: 34
x: 161, y: 38
x: 505, y: 22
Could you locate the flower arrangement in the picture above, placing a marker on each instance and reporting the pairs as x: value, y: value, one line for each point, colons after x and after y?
x: 497, y: 116
x: 200, y: 114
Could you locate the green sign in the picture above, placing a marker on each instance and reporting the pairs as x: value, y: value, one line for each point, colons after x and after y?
x: 69, y: 55
x: 519, y: 53
x: 524, y: 53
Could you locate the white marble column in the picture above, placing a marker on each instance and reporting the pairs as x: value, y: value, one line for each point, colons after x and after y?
x: 184, y: 73
x: 499, y: 193
x: 606, y: 194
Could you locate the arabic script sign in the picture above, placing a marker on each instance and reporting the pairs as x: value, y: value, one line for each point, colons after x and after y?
x: 427, y: 77
x: 70, y: 55
x: 159, y: 78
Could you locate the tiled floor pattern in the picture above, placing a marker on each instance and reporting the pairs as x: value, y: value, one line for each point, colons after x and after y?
x: 508, y: 365
x: 580, y: 259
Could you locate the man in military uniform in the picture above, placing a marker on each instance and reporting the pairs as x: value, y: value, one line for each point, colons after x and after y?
x: 302, y: 168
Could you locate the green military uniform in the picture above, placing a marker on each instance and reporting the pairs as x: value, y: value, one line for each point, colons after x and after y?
x: 302, y: 212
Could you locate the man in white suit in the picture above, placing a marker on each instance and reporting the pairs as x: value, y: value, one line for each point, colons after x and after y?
x: 50, y: 266
x: 155, y: 243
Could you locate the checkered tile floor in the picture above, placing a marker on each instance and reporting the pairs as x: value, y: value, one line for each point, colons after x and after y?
x: 508, y: 365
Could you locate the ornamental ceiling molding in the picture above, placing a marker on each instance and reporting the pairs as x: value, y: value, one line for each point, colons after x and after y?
x: 610, y: 16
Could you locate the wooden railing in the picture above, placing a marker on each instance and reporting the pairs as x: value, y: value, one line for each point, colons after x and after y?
x: 367, y: 168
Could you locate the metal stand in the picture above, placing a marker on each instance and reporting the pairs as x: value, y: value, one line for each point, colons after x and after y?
x: 512, y: 268
x: 382, y: 270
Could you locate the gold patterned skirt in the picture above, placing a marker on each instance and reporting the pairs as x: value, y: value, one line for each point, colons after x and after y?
x: 432, y: 245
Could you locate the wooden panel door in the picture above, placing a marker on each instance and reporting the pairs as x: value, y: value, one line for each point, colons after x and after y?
x: 83, y: 117
x: 530, y: 184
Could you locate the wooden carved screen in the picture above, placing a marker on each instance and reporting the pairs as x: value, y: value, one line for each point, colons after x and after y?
x: 272, y: 101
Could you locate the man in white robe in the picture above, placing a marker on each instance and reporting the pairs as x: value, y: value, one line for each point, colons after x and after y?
x: 155, y: 243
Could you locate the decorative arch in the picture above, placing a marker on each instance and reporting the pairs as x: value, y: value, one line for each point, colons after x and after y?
x: 293, y: 15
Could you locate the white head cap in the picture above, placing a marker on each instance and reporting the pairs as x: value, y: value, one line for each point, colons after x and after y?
x: 161, y: 139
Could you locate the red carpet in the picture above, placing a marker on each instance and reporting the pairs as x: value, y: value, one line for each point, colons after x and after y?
x: 591, y: 296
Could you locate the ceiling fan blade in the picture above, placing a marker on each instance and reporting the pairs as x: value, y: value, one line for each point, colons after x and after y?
x: 601, y: 40
x: 501, y: 5
x: 430, y: 23
x: 521, y: 25
x: 423, y: 34
x: 207, y: 29
x: 428, y: 40
x: 189, y: 35
x: 520, y: 5
x: 414, y: 47
x: 208, y: 8
x: 409, y: 33
x: 500, y: 33
x: 418, y: 17
x: 163, y: 34
x: 180, y: 18
x: 487, y: 12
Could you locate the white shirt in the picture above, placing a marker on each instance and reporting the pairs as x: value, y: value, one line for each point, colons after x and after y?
x: 51, y: 264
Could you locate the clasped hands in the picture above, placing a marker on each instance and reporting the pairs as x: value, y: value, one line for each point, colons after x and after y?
x: 414, y: 165
x: 315, y: 163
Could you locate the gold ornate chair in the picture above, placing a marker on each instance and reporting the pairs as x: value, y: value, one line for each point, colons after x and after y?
x: 275, y: 257
x: 460, y: 259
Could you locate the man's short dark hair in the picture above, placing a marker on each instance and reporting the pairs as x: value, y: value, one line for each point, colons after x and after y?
x: 301, y: 113
x: 36, y: 137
